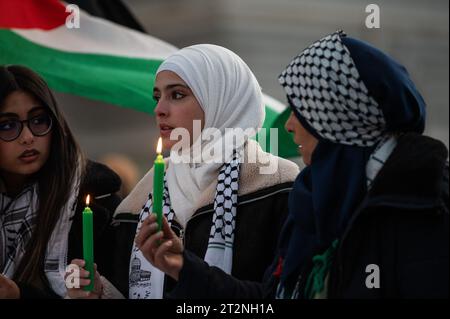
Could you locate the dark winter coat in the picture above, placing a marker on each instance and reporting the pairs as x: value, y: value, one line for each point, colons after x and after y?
x: 401, y: 227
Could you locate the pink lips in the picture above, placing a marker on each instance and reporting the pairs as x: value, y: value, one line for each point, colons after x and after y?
x: 165, y: 130
x: 29, y: 156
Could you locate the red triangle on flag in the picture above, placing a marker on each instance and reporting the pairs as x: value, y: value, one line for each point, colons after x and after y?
x: 32, y: 14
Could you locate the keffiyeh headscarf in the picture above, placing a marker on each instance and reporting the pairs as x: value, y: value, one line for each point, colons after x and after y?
x: 353, y: 98
x: 230, y: 97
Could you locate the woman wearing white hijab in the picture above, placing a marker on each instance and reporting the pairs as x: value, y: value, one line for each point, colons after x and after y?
x: 226, y: 211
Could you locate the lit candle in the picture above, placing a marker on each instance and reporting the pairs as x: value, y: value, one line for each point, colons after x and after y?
x: 88, y: 243
x: 158, y: 184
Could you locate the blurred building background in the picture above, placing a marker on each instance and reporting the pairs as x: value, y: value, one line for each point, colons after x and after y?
x: 267, y: 34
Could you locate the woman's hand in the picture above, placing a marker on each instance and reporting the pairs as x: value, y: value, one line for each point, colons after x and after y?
x: 8, y: 288
x: 162, y: 248
x: 79, y: 293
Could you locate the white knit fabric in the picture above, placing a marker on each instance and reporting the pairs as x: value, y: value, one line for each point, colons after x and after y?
x: 231, y: 97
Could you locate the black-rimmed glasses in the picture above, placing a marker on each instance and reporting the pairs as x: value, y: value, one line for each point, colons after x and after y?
x: 11, y: 128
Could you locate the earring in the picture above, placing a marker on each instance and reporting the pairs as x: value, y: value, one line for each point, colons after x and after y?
x: 300, y: 146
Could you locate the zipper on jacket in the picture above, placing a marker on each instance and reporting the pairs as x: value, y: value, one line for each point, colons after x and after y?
x: 182, y: 236
x: 181, y: 231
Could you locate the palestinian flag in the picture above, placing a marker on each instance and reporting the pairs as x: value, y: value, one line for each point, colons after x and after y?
x: 100, y: 60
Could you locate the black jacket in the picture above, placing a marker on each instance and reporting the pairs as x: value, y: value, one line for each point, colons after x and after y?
x: 256, y: 235
x: 401, y: 226
x: 102, y: 184
x: 261, y: 211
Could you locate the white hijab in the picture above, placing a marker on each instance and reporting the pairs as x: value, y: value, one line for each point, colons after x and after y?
x: 230, y: 97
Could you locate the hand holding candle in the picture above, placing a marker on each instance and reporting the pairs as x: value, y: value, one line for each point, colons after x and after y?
x: 88, y: 244
x: 158, y: 185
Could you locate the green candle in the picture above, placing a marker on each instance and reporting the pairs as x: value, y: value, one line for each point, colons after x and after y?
x: 158, y: 185
x: 88, y: 244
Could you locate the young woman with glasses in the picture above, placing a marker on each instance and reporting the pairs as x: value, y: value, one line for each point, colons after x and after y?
x: 44, y: 180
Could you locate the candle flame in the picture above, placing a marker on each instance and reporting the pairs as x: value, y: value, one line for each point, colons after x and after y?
x: 88, y: 197
x: 159, y: 147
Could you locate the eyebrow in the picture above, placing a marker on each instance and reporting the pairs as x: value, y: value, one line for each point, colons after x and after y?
x: 171, y: 86
x: 10, y: 114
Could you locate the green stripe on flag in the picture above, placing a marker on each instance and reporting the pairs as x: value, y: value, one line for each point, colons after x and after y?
x: 286, y: 146
x: 122, y: 81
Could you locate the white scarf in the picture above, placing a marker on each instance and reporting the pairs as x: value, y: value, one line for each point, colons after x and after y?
x: 379, y: 157
x: 230, y: 97
x: 146, y: 281
x: 17, y: 223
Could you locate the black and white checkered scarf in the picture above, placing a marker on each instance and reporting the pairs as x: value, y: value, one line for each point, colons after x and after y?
x: 18, y: 221
x: 328, y: 93
x: 147, y: 282
x: 18, y: 218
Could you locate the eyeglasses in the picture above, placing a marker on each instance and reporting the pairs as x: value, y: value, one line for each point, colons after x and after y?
x: 39, y: 125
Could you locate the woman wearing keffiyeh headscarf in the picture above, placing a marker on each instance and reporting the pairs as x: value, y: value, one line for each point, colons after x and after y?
x: 358, y: 118
x: 368, y: 216
x: 221, y: 201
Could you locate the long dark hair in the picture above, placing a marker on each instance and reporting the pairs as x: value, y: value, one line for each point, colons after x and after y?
x: 54, y: 179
